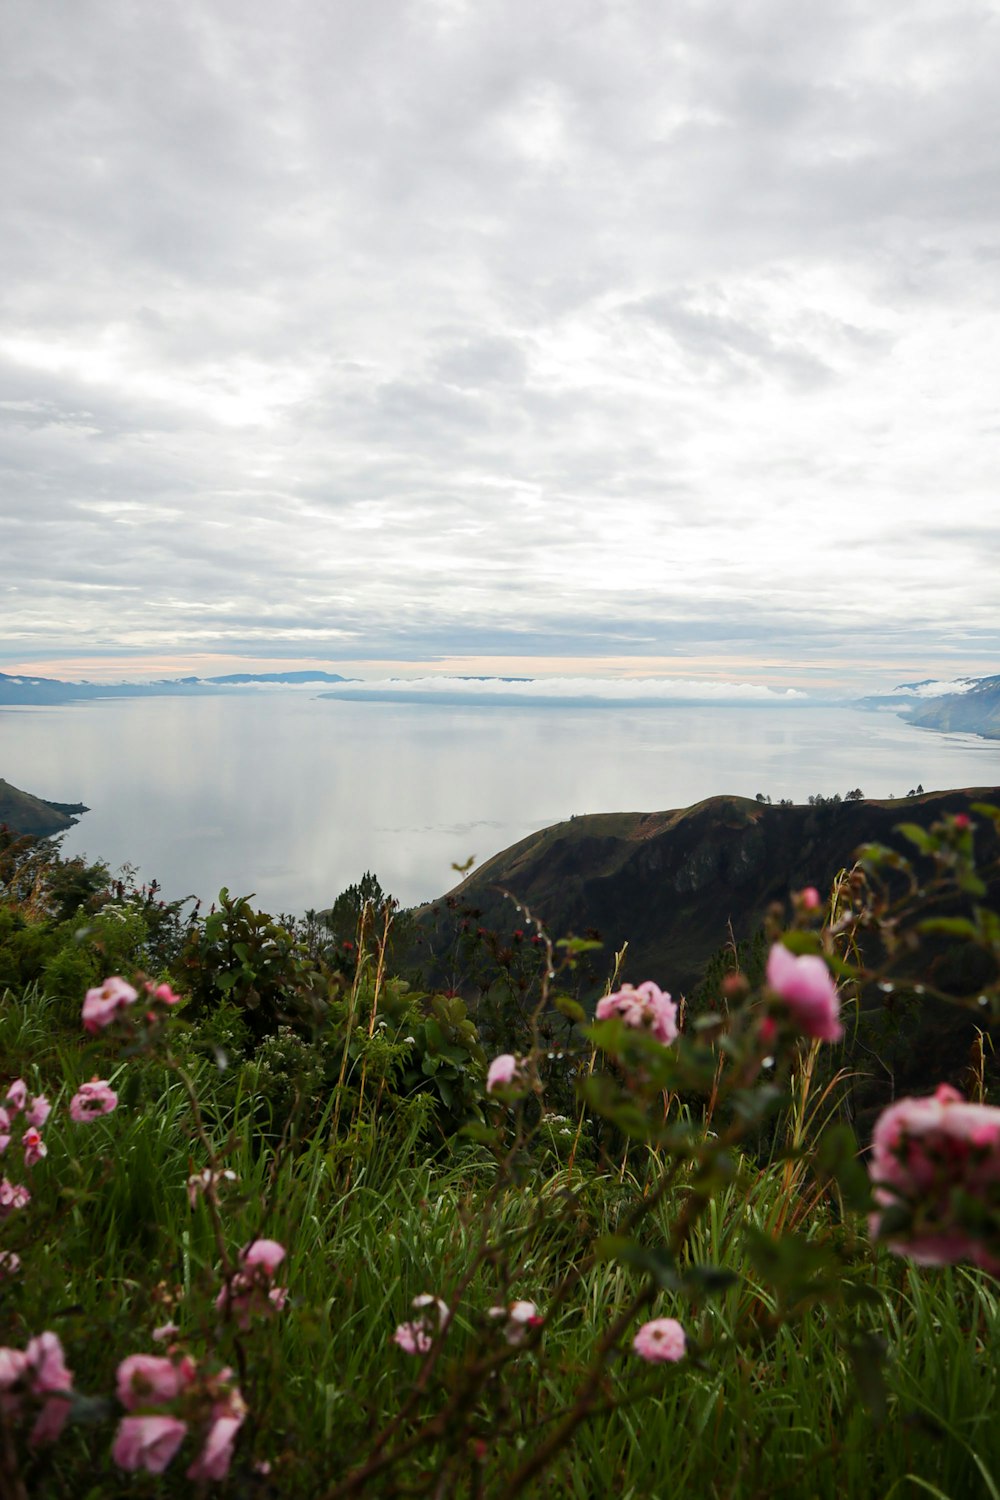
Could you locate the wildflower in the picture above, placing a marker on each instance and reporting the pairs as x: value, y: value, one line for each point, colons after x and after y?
x: 804, y: 983
x: 102, y: 1005
x: 34, y: 1147
x: 163, y: 993
x: 92, y: 1099
x: 215, y: 1457
x: 13, y: 1195
x: 147, y: 1442
x: 164, y: 1332
x: 40, y: 1370
x: 660, y: 1342
x: 808, y: 898
x: 17, y: 1096
x: 205, y: 1182
x: 4, y: 1130
x: 520, y: 1317
x: 647, y: 1006
x: 417, y: 1336
x: 938, y: 1160
x: 265, y: 1253
x: 10, y: 1263
x: 39, y: 1111
x: 504, y: 1071
x: 151, y: 1380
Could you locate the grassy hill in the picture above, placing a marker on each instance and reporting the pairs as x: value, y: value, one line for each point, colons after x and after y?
x: 23, y: 813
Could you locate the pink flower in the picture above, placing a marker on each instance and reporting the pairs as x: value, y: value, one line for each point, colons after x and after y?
x: 930, y: 1157
x: 13, y: 1364
x: 808, y: 898
x: 39, y: 1111
x: 503, y: 1071
x: 10, y: 1263
x: 215, y: 1457
x: 92, y: 1099
x: 267, y: 1254
x: 102, y: 1005
x: 4, y: 1130
x: 47, y: 1365
x: 417, y: 1337
x: 164, y: 1332
x: 206, y: 1181
x: 806, y: 986
x: 50, y: 1421
x: 163, y: 993
x: 520, y: 1317
x: 647, y: 1006
x: 17, y: 1096
x: 151, y: 1380
x: 12, y: 1195
x: 147, y: 1442
x: 34, y: 1147
x: 661, y: 1341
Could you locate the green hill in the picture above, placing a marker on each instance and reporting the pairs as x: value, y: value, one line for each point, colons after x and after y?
x: 23, y: 813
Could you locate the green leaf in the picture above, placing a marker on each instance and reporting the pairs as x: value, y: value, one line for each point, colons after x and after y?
x: 656, y: 1262
x: 948, y: 926
x: 570, y: 1008
x: 926, y: 842
x: 867, y: 1355
x: 576, y: 945
x: 837, y: 1156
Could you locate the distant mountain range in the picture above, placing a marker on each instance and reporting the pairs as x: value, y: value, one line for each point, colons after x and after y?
x: 23, y: 813
x: 24, y: 689
x: 967, y: 705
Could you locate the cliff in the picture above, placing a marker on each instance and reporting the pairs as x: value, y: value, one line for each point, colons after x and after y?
x: 23, y: 813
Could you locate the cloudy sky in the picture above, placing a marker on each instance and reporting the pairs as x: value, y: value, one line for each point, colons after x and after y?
x: 623, y: 337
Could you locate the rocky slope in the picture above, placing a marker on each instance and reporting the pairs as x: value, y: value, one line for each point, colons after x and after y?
x: 23, y: 813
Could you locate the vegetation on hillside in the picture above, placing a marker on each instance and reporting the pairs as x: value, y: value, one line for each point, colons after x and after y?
x: 275, y: 1221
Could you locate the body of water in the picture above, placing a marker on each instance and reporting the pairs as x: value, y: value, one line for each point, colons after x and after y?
x: 293, y: 797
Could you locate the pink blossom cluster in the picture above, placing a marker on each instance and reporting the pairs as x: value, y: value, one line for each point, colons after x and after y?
x: 518, y: 1318
x: 935, y: 1157
x: 36, y: 1380
x: 417, y: 1336
x: 250, y: 1290
x: 32, y: 1111
x: 149, y: 1438
x: 645, y: 1006
x: 805, y: 986
x: 92, y: 1100
x: 115, y: 998
x: 505, y: 1071
x: 662, y: 1341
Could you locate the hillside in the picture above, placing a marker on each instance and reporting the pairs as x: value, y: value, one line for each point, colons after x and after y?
x: 670, y: 883
x: 976, y: 711
x: 23, y: 813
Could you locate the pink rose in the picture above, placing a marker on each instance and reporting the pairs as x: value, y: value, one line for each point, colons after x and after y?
x: 47, y: 1365
x: 661, y: 1341
x: 267, y: 1254
x: 12, y: 1195
x: 520, y: 1316
x: 215, y: 1457
x: 50, y: 1421
x: 806, y: 986
x: 151, y: 1380
x: 102, y: 1005
x: 4, y: 1130
x: 927, y: 1156
x: 39, y: 1111
x: 13, y: 1364
x: 10, y: 1263
x: 503, y: 1071
x: 147, y: 1442
x: 17, y: 1095
x: 34, y: 1147
x: 92, y: 1099
x: 647, y: 1006
x: 163, y: 993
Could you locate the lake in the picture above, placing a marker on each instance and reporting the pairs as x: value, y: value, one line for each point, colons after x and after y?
x: 294, y: 797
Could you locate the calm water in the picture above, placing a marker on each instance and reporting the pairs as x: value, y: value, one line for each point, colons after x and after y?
x: 293, y: 797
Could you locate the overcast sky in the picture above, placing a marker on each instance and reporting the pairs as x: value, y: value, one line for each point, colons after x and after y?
x: 649, y: 338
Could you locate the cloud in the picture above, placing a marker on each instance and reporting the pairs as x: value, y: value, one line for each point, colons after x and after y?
x: 556, y: 690
x: 433, y: 325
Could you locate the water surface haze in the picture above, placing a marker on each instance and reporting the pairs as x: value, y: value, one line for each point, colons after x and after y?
x: 293, y: 797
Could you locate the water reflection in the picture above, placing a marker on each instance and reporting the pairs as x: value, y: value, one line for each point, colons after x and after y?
x: 294, y: 797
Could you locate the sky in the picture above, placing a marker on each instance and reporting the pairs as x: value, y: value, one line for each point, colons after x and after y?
x: 619, y: 338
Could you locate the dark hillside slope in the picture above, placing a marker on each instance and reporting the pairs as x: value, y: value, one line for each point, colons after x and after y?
x: 23, y: 813
x: 670, y: 883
